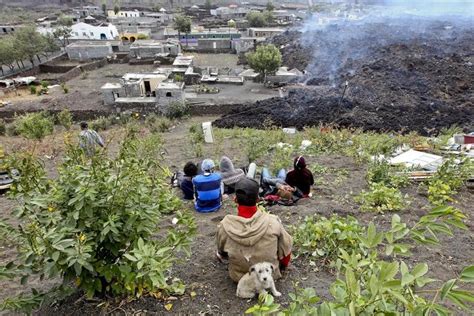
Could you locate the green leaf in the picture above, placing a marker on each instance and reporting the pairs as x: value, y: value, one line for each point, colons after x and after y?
x: 388, y: 271
x: 463, y: 295
x: 467, y: 274
x: 456, y: 299
x: 447, y: 287
x: 130, y: 257
x: 420, y: 270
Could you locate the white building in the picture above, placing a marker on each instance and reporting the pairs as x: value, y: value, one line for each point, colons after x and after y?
x: 123, y: 14
x: 86, y: 31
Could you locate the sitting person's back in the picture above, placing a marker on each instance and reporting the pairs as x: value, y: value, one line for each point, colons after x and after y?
x: 207, y: 188
x: 186, y: 181
x: 252, y: 236
x: 230, y: 175
x: 300, y: 177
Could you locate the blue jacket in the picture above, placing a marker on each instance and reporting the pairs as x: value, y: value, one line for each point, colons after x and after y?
x: 207, y: 188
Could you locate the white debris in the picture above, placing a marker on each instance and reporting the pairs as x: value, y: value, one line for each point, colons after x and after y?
x: 414, y: 158
x: 305, y: 144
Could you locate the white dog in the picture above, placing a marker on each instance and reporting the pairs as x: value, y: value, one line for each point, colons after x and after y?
x: 257, y: 280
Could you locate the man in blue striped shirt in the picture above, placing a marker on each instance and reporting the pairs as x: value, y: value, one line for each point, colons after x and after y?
x: 208, y: 188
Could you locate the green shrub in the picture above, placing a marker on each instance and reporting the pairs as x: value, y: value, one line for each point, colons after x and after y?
x: 382, y: 172
x: 65, y: 88
x: 64, y: 119
x: 95, y: 225
x: 178, y: 78
x: 375, y: 282
x: 101, y: 123
x: 281, y: 158
x: 324, y: 238
x: 157, y: 124
x: 177, y: 110
x: 254, y: 144
x: 381, y: 198
x: 44, y: 84
x: 3, y: 127
x: 33, y: 89
x: 11, y: 129
x: 196, y: 139
x: 34, y: 125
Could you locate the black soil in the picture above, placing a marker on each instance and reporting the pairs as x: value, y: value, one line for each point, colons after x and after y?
x: 398, y: 79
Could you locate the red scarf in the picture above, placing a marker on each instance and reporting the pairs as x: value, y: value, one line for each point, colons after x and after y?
x: 246, y: 211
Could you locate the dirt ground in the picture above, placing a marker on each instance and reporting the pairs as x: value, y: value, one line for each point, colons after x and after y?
x: 215, y: 292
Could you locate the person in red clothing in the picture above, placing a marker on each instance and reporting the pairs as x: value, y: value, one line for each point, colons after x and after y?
x: 300, y: 177
x: 252, y: 236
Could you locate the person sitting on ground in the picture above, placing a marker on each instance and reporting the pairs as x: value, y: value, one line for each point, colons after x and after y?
x: 252, y: 236
x: 275, y: 185
x: 185, y: 180
x: 207, y: 188
x: 300, y: 177
x: 89, y: 139
x: 230, y: 176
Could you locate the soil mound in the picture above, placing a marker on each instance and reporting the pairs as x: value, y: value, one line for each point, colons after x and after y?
x: 397, y: 81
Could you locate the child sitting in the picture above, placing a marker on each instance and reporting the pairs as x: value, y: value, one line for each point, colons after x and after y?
x: 185, y: 181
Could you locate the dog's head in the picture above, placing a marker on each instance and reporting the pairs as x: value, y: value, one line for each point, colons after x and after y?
x: 263, y: 271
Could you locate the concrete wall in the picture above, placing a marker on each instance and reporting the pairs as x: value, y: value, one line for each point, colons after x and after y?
x: 213, y: 45
x: 87, y: 52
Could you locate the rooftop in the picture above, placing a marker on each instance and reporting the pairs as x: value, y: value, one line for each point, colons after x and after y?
x: 109, y: 85
x: 171, y: 85
x: 136, y: 76
x: 183, y: 61
x: 267, y: 29
x: 93, y: 43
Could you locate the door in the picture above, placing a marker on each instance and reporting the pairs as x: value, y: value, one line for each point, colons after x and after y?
x: 147, y: 88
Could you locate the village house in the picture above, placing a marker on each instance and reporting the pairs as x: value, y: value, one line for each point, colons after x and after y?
x: 86, y: 50
x: 88, y: 10
x: 264, y: 31
x: 154, y: 48
x: 123, y: 14
x: 84, y: 31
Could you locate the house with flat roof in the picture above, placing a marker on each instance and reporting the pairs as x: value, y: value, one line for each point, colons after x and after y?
x: 124, y: 14
x: 152, y: 48
x: 264, y: 31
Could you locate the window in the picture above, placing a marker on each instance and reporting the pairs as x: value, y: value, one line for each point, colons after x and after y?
x: 4, y: 30
x: 84, y: 33
x: 92, y: 33
x: 168, y: 94
x: 75, y: 33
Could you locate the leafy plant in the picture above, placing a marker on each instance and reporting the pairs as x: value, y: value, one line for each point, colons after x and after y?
x: 101, y: 123
x: 281, y: 158
x: 448, y: 179
x: 34, y: 125
x: 265, y: 60
x: 254, y: 144
x: 382, y: 172
x: 196, y: 139
x: 381, y: 199
x: 177, y: 110
x: 323, y: 238
x: 367, y: 285
x: 44, y: 84
x: 90, y: 224
x: 33, y: 89
x: 158, y: 124
x: 65, y: 88
x: 65, y: 119
x: 3, y: 127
